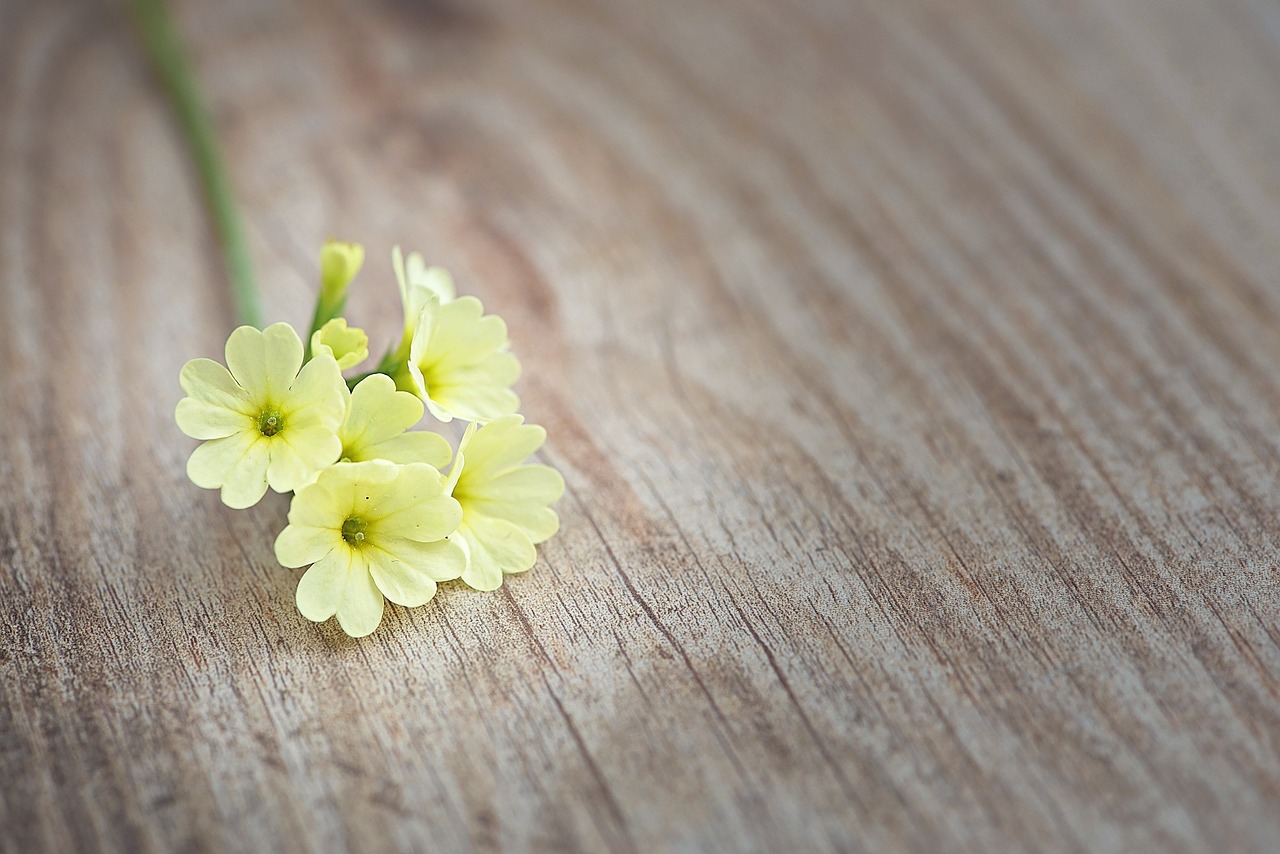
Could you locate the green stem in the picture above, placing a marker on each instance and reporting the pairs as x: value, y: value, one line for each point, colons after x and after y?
x: 166, y: 52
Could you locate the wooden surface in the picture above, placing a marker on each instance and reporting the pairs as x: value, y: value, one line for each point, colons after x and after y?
x: 914, y: 368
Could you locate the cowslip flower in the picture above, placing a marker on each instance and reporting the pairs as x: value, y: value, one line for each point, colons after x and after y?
x: 265, y: 422
x: 370, y: 530
x: 505, y: 503
x: 451, y: 354
x: 348, y: 344
x: 458, y: 362
x: 339, y: 264
x: 418, y: 283
x: 378, y: 416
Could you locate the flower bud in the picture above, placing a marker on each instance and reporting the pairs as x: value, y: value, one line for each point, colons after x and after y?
x: 339, y: 264
x: 348, y: 345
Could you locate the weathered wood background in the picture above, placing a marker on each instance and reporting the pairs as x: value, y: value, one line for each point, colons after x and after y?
x: 914, y: 367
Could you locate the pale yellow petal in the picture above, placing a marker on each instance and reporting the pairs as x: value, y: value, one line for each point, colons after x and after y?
x: 426, y: 519
x: 296, y: 456
x: 420, y: 446
x: 339, y: 583
x: 282, y: 349
x: 456, y: 470
x: 500, y: 368
x: 464, y: 335
x: 418, y: 283
x: 472, y: 403
x: 321, y: 587
x: 246, y: 359
x: 494, y: 374
x: 398, y: 581
x: 237, y: 463
x: 368, y: 486
x: 360, y: 610
x: 480, y: 571
x: 301, y: 452
x: 246, y: 482
x: 470, y: 433
x: 349, y: 345
x: 316, y: 505
x: 495, y: 547
x: 432, y: 281
x: 459, y: 459
x: 498, y: 446
x: 417, y: 384
x: 339, y: 264
x: 264, y: 362
x: 377, y: 412
x: 538, y: 521
x: 285, y: 471
x: 318, y: 397
x: 423, y: 328
x: 206, y: 380
x: 528, y: 484
x: 442, y: 560
x: 375, y: 477
x: 411, y: 486
x: 299, y: 545
x: 352, y: 357
x: 397, y: 264
x: 201, y: 420
x: 211, y: 463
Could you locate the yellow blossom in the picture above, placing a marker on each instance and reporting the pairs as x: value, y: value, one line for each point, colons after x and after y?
x: 348, y: 344
x: 370, y: 530
x: 265, y: 422
x: 418, y: 283
x: 378, y: 416
x: 458, y: 362
x: 505, y: 503
x: 339, y: 264
x: 451, y: 354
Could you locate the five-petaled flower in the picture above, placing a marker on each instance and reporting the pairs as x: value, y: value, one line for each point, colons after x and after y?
x: 459, y: 364
x: 370, y: 529
x: 505, y: 503
x: 452, y: 355
x: 265, y: 422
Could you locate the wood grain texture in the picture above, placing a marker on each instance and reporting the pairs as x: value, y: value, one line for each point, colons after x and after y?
x: 914, y: 368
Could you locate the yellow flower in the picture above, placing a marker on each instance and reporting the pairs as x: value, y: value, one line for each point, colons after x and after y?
x: 377, y: 418
x: 266, y: 422
x: 370, y: 529
x: 459, y: 364
x: 451, y: 355
x: 418, y: 283
x: 348, y: 344
x: 339, y: 264
x: 505, y: 503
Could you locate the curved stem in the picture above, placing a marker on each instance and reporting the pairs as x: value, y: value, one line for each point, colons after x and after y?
x: 170, y: 61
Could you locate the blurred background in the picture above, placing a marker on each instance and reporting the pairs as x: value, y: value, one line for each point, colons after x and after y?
x: 913, y: 369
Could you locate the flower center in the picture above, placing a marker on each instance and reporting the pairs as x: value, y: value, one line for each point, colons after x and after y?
x: 270, y: 422
x: 353, y: 531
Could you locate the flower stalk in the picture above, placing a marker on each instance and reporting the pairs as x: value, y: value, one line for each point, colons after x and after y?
x: 164, y: 47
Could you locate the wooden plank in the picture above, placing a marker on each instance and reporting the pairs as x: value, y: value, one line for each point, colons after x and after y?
x: 913, y: 368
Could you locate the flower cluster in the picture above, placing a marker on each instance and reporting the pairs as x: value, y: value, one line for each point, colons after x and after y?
x: 379, y: 511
